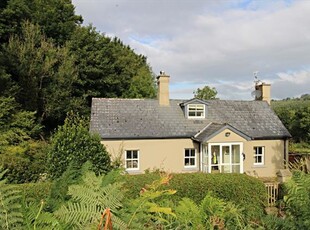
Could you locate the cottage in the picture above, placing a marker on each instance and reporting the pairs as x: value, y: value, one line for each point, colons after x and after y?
x: 193, y: 135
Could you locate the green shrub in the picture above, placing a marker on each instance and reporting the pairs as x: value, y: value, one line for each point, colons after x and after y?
x: 27, y: 166
x: 247, y: 192
x: 73, y: 144
x: 35, y: 192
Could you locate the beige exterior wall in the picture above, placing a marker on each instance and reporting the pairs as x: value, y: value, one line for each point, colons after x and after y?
x: 168, y: 154
x: 164, y: 154
x: 273, y: 160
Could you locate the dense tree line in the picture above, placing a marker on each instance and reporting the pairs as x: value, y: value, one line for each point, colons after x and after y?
x: 295, y: 115
x: 50, y: 65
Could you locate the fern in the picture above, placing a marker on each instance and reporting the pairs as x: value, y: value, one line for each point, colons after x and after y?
x: 144, y: 210
x: 89, y: 200
x: 10, y: 209
x: 297, y: 199
x: 35, y: 218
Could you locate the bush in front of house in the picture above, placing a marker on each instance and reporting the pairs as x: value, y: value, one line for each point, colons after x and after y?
x: 73, y: 144
x: 247, y: 192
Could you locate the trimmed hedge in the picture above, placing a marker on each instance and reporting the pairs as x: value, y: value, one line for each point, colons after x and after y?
x: 247, y: 192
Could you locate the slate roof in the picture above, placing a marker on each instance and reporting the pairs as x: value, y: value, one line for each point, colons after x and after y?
x: 115, y: 118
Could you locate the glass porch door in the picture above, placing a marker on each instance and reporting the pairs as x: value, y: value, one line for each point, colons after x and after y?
x: 225, y: 158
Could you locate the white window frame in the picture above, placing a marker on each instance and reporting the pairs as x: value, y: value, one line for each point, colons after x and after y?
x: 256, y: 155
x: 132, y: 159
x: 195, y: 106
x: 190, y: 157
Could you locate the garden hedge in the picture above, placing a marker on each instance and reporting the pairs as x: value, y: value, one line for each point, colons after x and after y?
x: 247, y: 192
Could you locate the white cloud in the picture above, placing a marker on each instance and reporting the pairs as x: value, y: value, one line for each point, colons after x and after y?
x: 219, y: 43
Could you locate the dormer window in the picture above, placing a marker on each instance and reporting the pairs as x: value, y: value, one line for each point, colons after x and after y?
x: 196, y: 111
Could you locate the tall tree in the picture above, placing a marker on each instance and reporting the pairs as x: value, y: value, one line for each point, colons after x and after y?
x: 108, y: 68
x: 44, y: 73
x: 206, y: 93
x: 56, y: 17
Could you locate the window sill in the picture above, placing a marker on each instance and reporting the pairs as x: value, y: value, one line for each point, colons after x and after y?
x: 190, y: 169
x: 133, y: 171
x: 259, y: 166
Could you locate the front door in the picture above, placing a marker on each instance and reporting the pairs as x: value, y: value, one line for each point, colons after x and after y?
x: 225, y: 158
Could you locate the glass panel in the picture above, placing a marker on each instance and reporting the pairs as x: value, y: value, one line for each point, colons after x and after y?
x: 186, y: 152
x: 235, y: 151
x: 215, y: 150
x: 259, y: 159
x: 192, y: 152
x: 192, y: 161
x: 129, y: 164
x: 186, y: 162
x: 135, y: 154
x: 236, y: 168
x: 225, y: 155
x: 225, y: 169
x: 128, y: 155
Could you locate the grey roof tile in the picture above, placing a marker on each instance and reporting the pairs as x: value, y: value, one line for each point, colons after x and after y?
x: 144, y: 118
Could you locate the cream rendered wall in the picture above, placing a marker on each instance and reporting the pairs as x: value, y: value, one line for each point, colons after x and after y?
x: 165, y: 154
x: 274, y: 153
x: 221, y: 138
x: 274, y: 157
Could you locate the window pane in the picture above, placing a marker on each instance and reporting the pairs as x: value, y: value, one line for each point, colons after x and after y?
x: 135, y: 154
x: 186, y: 161
x: 128, y: 164
x: 235, y: 153
x: 186, y: 152
x: 259, y: 159
x: 128, y: 155
x: 192, y: 161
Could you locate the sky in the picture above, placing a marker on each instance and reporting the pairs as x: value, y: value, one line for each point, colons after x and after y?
x: 219, y: 43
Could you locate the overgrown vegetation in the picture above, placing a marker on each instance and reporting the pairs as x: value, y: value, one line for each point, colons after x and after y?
x: 86, y: 198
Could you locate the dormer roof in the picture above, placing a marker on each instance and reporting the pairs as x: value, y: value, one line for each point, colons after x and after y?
x: 194, y: 101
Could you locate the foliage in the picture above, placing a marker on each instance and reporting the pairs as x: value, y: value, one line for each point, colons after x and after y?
x: 300, y: 148
x: 72, y: 143
x: 51, y: 64
x: 89, y: 199
x: 144, y: 211
x: 108, y: 68
x: 10, y: 208
x: 16, y: 126
x: 297, y: 199
x: 212, y: 213
x: 223, y: 186
x: 206, y: 93
x: 56, y: 17
x: 19, y: 152
x: 43, y: 73
x: 295, y: 113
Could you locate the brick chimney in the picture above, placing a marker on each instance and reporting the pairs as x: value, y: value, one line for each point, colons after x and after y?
x: 263, y: 92
x: 163, y: 89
